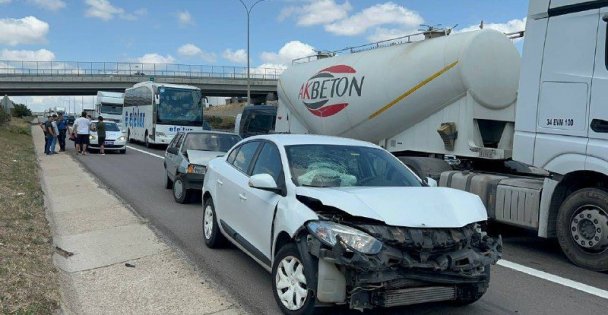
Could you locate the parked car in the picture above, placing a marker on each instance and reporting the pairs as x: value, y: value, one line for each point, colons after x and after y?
x: 341, y: 221
x: 186, y: 159
x: 115, y: 138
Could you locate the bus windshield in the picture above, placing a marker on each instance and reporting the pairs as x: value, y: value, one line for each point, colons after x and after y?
x: 180, y: 107
x: 112, y: 109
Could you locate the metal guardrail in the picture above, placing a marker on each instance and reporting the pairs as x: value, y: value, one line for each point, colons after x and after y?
x: 76, y: 68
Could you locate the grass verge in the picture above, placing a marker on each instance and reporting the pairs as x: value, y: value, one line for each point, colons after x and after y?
x: 28, y: 278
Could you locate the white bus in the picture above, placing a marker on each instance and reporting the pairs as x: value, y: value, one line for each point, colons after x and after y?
x: 109, y: 105
x: 155, y: 112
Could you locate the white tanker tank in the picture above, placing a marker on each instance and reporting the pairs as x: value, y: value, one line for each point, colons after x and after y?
x: 451, y: 95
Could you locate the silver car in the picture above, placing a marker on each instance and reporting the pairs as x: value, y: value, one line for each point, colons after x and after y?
x: 186, y: 159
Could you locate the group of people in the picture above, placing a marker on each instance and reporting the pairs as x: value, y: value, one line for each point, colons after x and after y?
x: 56, y: 128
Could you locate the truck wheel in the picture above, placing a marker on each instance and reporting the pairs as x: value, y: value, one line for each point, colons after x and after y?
x: 180, y: 193
x: 471, y: 293
x: 294, y: 281
x: 211, y: 232
x: 582, y: 228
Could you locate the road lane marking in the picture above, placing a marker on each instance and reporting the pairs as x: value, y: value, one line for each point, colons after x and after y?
x: 508, y: 264
x: 555, y: 279
x: 146, y: 152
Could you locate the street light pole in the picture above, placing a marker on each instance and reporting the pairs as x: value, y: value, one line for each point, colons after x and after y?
x: 248, y: 10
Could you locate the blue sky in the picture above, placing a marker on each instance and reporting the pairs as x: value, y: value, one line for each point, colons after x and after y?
x: 213, y: 32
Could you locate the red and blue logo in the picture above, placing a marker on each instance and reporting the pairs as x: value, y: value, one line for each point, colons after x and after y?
x: 324, y: 93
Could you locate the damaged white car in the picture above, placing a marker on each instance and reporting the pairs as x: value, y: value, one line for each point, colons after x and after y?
x: 340, y: 221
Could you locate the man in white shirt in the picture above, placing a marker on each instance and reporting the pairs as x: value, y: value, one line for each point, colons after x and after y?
x: 81, y: 126
x: 55, y: 133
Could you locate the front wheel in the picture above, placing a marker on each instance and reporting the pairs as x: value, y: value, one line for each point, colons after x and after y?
x: 582, y: 228
x: 211, y: 233
x: 167, y: 182
x: 294, y: 281
x: 180, y: 193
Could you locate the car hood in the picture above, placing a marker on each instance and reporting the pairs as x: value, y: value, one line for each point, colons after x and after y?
x: 202, y: 157
x: 429, y: 207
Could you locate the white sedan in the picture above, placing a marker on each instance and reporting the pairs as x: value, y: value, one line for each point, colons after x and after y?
x: 115, y: 138
x: 340, y: 221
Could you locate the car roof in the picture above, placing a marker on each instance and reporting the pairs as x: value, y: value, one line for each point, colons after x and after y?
x: 105, y: 121
x: 210, y: 131
x: 296, y: 139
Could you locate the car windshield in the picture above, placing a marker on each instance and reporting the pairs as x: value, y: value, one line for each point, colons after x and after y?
x: 210, y: 142
x: 319, y: 165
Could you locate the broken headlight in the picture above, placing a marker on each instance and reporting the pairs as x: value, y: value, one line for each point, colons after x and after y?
x: 328, y: 232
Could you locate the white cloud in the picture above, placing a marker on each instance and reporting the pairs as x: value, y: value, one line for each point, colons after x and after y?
x: 237, y: 56
x: 41, y: 103
x: 28, y: 30
x: 290, y: 51
x: 317, y: 12
x: 155, y: 58
x: 104, y: 10
x: 268, y: 70
x: 27, y: 55
x: 380, y: 14
x: 184, y: 18
x: 191, y: 50
x: 52, y: 5
x: 511, y: 26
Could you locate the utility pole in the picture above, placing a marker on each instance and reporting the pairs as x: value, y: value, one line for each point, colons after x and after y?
x: 248, y: 10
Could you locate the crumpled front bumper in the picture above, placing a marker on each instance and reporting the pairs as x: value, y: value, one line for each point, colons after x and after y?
x: 424, y: 264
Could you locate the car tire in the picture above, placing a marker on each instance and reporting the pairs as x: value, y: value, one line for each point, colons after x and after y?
x: 471, y: 293
x: 285, y: 280
x: 168, y: 182
x: 583, y: 217
x: 212, y: 235
x: 180, y: 193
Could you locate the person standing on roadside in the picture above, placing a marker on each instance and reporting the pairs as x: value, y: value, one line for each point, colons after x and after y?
x: 101, y: 134
x: 55, y: 134
x: 82, y: 125
x: 44, y: 127
x: 62, y: 125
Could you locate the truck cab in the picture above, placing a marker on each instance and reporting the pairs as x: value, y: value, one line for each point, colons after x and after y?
x: 561, y: 122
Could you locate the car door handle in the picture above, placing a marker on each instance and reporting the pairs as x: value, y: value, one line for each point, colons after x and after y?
x: 219, y: 181
x: 242, y: 197
x: 599, y: 126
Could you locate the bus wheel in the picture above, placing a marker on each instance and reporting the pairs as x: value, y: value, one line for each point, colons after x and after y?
x: 146, y: 140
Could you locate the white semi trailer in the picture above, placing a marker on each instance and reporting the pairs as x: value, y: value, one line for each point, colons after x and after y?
x: 532, y: 144
x: 109, y: 105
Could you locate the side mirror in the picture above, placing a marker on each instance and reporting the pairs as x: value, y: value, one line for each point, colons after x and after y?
x: 264, y: 182
x: 172, y: 150
x: 430, y: 182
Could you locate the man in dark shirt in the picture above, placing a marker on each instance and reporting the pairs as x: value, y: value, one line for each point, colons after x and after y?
x: 101, y: 134
x: 62, y: 125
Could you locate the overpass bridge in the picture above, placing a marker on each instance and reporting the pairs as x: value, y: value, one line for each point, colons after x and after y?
x: 24, y: 78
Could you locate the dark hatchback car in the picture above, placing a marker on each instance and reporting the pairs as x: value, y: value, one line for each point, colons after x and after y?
x: 187, y: 156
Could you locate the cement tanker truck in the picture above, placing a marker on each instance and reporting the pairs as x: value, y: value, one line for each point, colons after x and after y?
x: 533, y: 145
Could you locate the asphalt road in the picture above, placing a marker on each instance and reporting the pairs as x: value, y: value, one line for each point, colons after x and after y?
x: 137, y: 178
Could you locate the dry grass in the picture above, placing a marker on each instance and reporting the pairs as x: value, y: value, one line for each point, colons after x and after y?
x: 28, y: 279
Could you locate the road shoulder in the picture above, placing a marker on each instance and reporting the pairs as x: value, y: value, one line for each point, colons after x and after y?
x: 109, y: 260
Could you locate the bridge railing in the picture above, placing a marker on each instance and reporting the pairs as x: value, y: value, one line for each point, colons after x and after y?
x: 75, y: 68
